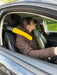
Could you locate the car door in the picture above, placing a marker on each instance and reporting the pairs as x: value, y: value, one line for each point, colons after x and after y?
x: 17, y: 64
x: 21, y: 64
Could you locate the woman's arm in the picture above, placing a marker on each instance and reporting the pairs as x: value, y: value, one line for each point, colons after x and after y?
x: 26, y: 49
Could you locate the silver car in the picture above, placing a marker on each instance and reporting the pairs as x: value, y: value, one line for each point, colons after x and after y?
x: 13, y: 62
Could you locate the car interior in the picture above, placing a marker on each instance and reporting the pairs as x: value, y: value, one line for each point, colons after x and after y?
x: 13, y: 20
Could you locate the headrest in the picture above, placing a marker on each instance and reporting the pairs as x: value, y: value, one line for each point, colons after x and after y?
x: 15, y: 20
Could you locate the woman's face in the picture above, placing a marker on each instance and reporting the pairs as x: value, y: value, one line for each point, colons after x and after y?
x: 31, y: 26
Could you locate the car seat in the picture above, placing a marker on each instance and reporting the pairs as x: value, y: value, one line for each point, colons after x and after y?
x: 40, y: 39
x: 10, y: 41
x: 10, y: 38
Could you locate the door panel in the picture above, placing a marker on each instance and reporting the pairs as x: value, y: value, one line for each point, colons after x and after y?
x: 17, y: 63
x: 8, y: 67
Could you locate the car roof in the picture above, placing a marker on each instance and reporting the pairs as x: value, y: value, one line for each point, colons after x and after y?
x: 46, y: 3
x: 42, y: 1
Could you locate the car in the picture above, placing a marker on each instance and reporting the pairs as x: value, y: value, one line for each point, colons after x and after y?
x: 13, y: 62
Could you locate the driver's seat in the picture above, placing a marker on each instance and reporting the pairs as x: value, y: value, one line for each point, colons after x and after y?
x: 40, y: 39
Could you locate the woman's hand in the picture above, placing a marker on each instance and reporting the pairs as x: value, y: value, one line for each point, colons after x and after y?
x: 55, y: 51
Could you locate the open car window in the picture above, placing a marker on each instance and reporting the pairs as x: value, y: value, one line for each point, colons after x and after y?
x: 42, y: 38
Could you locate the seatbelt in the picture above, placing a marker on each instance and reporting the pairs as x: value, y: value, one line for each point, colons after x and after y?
x: 20, y: 32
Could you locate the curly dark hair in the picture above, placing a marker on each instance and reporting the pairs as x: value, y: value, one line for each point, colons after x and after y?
x: 26, y: 21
